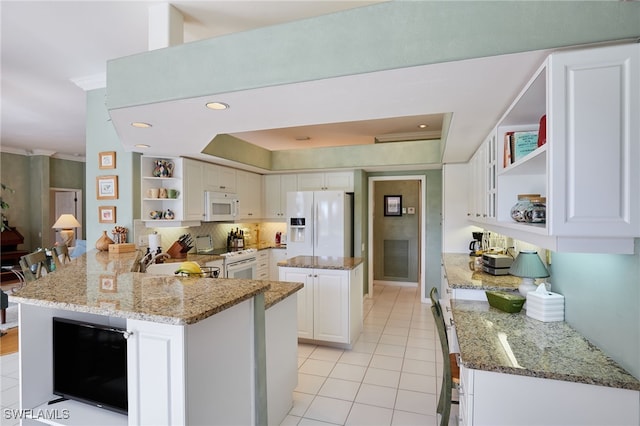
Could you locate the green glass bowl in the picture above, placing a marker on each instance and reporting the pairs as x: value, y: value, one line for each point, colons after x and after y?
x: 506, y: 302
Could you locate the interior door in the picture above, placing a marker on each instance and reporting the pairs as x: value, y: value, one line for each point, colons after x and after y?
x: 397, y: 238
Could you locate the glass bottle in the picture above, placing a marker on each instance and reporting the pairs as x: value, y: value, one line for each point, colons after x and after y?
x: 519, y: 209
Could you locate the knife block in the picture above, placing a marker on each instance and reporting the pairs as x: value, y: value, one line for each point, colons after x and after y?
x: 175, y: 251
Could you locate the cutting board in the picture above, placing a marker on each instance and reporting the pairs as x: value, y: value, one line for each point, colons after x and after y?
x: 122, y: 248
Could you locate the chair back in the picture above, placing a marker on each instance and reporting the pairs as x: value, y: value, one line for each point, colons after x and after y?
x: 32, y: 265
x: 444, y: 402
x: 61, y: 255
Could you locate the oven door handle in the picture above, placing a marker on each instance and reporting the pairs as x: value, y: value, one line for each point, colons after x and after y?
x: 241, y: 262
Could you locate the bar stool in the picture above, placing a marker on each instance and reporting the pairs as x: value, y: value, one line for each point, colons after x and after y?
x: 32, y: 265
x: 61, y: 255
x: 451, y: 371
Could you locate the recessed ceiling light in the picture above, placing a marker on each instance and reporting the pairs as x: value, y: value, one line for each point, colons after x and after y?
x: 140, y: 125
x: 217, y: 105
x: 423, y: 126
x: 142, y: 145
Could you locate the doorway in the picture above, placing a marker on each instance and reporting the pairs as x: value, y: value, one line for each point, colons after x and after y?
x: 397, y: 236
x: 65, y: 201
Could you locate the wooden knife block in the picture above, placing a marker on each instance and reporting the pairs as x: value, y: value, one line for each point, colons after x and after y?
x: 175, y: 251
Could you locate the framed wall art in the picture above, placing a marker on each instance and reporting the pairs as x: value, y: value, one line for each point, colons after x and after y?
x: 107, y: 187
x: 107, y: 214
x: 393, y: 205
x: 107, y: 160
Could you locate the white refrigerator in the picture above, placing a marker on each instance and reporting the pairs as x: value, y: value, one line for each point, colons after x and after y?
x: 319, y: 223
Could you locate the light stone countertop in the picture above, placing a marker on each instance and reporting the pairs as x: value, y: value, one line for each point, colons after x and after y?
x: 101, y: 283
x: 493, y: 340
x: 321, y: 262
x: 459, y: 275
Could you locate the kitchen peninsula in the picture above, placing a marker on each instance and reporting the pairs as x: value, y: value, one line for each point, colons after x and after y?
x: 196, y: 352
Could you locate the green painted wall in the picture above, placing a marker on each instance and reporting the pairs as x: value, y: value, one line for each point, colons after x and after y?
x: 101, y: 136
x: 31, y: 177
x: 385, y: 36
x: 602, y: 300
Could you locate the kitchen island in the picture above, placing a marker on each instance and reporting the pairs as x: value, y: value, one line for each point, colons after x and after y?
x: 196, y: 352
x: 330, y: 304
x: 516, y: 370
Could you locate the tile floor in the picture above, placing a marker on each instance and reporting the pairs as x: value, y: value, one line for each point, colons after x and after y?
x: 390, y: 377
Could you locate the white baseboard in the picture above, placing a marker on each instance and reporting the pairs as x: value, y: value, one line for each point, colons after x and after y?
x: 396, y: 283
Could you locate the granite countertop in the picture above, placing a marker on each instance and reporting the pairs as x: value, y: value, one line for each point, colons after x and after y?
x: 321, y: 262
x: 459, y: 275
x: 101, y: 283
x: 493, y: 340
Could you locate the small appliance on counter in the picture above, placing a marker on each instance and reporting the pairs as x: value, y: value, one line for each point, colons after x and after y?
x: 204, y: 244
x: 475, y: 246
x: 496, y: 264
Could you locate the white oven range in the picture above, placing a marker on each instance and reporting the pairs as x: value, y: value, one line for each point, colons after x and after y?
x: 241, y: 264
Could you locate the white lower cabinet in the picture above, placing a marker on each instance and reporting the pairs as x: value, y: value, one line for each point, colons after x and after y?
x: 329, y: 305
x: 490, y: 398
x: 262, y: 270
x: 276, y: 256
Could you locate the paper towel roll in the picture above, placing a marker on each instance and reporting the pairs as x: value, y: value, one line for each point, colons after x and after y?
x: 155, y: 241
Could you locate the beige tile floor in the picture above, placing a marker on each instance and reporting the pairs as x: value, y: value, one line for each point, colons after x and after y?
x: 390, y: 377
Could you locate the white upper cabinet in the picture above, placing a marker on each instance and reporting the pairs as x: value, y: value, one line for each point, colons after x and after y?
x: 194, y: 189
x: 249, y: 186
x: 219, y: 178
x: 587, y: 169
x: 330, y: 181
x: 275, y: 194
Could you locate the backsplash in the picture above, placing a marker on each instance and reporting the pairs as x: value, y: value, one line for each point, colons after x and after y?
x: 254, y: 233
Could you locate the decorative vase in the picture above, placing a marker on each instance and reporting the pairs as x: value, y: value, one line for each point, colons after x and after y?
x: 103, y: 242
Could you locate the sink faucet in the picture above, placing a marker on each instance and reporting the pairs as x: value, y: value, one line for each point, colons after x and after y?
x: 151, y: 258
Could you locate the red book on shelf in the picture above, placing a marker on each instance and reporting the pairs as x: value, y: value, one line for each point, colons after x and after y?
x: 542, y: 131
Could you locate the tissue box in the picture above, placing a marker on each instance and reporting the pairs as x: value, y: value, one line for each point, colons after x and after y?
x: 545, y: 306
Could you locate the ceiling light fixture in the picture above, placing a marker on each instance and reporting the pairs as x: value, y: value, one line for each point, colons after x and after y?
x: 423, y: 126
x: 142, y: 145
x: 217, y: 105
x: 140, y: 125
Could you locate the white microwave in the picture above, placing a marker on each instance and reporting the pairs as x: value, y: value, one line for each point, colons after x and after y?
x: 220, y: 207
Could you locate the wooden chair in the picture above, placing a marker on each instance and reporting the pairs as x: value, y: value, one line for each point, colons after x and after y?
x: 61, y: 255
x: 32, y: 265
x: 451, y: 371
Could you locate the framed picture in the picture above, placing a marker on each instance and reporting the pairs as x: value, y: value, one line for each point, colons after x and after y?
x: 107, y: 187
x: 108, y: 284
x: 107, y: 160
x: 393, y: 205
x: 107, y: 214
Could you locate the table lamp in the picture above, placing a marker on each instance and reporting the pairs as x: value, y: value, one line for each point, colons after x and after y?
x: 66, y: 223
x: 528, y: 266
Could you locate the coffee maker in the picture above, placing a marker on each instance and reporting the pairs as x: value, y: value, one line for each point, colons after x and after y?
x: 475, y: 246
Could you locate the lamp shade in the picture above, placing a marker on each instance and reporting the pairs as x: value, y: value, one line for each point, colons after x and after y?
x: 66, y: 221
x: 528, y: 265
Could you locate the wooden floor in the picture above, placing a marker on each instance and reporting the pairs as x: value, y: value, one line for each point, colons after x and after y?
x: 9, y: 342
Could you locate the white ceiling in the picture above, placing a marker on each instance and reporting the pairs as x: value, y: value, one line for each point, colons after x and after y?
x: 47, y: 45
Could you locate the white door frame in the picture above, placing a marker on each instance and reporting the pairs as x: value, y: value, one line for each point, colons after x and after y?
x: 422, y: 230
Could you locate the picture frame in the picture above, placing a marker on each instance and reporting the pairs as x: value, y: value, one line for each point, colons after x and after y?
x: 107, y: 214
x: 107, y: 187
x: 108, y: 284
x: 107, y: 160
x: 393, y: 205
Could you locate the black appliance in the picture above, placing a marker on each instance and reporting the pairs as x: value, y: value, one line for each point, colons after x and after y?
x: 90, y: 364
